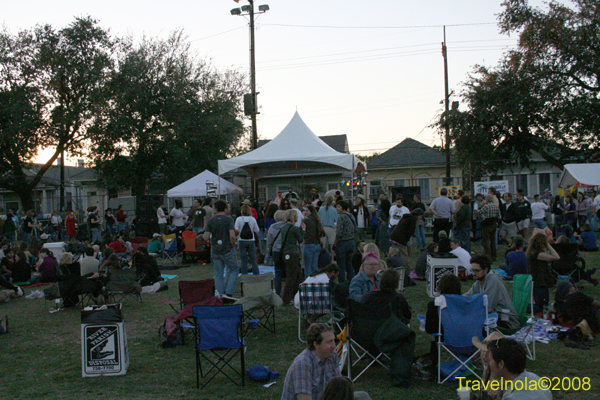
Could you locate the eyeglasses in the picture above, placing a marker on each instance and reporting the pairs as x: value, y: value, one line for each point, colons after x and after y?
x: 475, y: 270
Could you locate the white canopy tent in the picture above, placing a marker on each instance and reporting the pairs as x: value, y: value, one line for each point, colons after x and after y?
x: 196, y: 186
x: 586, y: 174
x: 296, y: 147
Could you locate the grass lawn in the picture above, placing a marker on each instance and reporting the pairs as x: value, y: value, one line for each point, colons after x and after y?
x: 41, y: 356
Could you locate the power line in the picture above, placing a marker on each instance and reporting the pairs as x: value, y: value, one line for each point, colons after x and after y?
x: 218, y: 34
x: 380, y: 27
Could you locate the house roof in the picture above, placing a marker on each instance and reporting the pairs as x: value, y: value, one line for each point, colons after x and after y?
x: 409, y: 153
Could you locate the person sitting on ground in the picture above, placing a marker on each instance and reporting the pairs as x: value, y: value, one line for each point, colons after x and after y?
x: 508, y: 363
x: 570, y: 234
x: 367, y: 280
x: 46, y: 266
x: 21, y: 271
x: 119, y: 247
x: 89, y: 265
x: 491, y: 284
x: 146, y: 269
x: 587, y: 239
x: 421, y: 264
x: 394, y: 261
x: 155, y: 244
x: 7, y: 264
x: 516, y: 260
x: 388, y: 294
x: 464, y: 257
x: 314, y: 367
x: 12, y: 291
x: 574, y: 306
x: 444, y: 243
x: 323, y: 275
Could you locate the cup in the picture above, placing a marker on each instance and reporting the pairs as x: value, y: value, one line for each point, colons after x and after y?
x: 464, y: 393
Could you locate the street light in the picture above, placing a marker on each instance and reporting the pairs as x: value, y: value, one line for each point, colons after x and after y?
x: 252, y: 110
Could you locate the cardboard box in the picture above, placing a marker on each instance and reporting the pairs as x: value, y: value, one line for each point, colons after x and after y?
x: 103, y: 341
x: 437, y: 267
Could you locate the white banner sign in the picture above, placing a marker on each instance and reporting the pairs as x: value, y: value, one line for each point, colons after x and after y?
x: 482, y: 187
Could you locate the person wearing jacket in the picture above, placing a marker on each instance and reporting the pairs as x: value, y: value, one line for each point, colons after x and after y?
x: 367, y: 280
x: 274, y: 246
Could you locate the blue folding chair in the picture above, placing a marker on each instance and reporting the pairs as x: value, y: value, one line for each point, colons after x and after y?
x: 219, y: 335
x: 170, y: 251
x: 462, y: 318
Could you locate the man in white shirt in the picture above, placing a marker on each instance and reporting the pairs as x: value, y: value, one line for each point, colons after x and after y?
x: 464, y: 257
x: 89, y: 264
x: 442, y: 208
x: 538, y: 212
x: 397, y: 210
x: 294, y: 203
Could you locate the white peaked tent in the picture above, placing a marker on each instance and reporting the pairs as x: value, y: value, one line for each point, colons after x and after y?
x: 196, y: 186
x: 587, y: 174
x: 296, y: 147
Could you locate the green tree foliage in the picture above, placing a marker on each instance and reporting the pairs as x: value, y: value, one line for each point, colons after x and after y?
x: 541, y: 97
x: 49, y: 82
x: 167, y: 116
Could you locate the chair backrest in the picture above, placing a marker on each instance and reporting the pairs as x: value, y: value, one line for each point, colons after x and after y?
x: 170, y: 242
x: 521, y: 295
x: 364, y: 321
x: 462, y: 318
x: 314, y: 298
x: 196, y: 291
x: 256, y: 285
x: 123, y: 280
x: 568, y: 254
x: 138, y: 242
x: 189, y: 241
x: 218, y: 326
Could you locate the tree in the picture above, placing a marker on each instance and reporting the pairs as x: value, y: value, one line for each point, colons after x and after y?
x: 368, y: 157
x: 541, y: 97
x: 50, y: 82
x: 168, y: 116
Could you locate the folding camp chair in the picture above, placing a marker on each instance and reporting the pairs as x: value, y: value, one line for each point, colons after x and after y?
x: 462, y: 318
x: 193, y: 293
x: 570, y: 265
x: 219, y: 336
x: 80, y: 290
x: 190, y: 252
x: 522, y: 300
x: 363, y: 321
x: 169, y: 251
x: 258, y: 295
x: 314, y: 299
x: 122, y: 284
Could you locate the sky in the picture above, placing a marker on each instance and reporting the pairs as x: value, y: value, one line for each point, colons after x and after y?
x: 372, y: 70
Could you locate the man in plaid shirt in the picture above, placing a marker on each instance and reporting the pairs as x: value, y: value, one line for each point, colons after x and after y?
x: 490, y: 215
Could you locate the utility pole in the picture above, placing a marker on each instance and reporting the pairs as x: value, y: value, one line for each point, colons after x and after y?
x: 446, y: 107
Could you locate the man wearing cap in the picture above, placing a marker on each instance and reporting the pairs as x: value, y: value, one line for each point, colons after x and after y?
x: 247, y: 202
x: 361, y: 214
x: 402, y: 233
x: 491, y: 284
x: 507, y: 364
x: 442, y: 208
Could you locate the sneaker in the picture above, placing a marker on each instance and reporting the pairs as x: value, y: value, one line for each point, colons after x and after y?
x: 20, y: 292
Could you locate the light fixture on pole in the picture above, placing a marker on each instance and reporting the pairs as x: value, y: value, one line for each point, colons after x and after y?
x: 250, y: 103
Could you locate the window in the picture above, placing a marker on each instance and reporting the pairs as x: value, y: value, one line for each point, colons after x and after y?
x: 262, y: 194
x: 283, y: 188
x: 544, y: 182
x: 424, y: 185
x: 398, y: 182
x: 443, y: 181
x: 521, y: 182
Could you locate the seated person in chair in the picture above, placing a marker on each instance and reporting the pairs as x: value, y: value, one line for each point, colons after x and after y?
x: 491, y: 284
x: 587, y: 239
x: 367, y: 280
x: 323, y: 275
x: 388, y: 294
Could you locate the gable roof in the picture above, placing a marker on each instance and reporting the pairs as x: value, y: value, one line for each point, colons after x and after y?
x: 409, y: 153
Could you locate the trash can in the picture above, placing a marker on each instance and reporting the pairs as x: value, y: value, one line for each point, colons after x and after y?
x: 439, y: 265
x: 103, y: 341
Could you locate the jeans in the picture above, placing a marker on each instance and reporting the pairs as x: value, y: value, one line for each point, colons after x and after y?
x: 198, y: 231
x: 248, y: 249
x: 541, y: 298
x: 95, y: 235
x: 26, y: 237
x: 225, y: 263
x: 343, y: 256
x: 420, y: 234
x: 120, y: 227
x: 278, y: 277
x: 464, y: 235
x: 539, y: 223
x: 311, y: 258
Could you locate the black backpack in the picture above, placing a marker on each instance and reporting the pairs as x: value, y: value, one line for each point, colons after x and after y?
x: 246, y: 232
